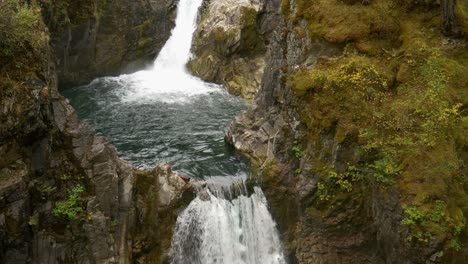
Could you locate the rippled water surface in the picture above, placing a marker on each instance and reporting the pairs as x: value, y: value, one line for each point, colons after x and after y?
x: 164, y: 113
x: 187, y: 133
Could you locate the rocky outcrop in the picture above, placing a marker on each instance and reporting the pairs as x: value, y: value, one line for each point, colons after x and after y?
x: 304, y: 154
x: 91, y: 39
x: 65, y: 195
x: 228, y: 46
x: 160, y: 196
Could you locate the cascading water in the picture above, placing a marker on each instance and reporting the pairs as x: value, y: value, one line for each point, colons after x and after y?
x: 164, y: 113
x: 169, y: 80
x: 214, y: 230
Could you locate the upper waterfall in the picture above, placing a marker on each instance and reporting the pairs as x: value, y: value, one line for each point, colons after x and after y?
x: 176, y: 53
x: 168, y: 79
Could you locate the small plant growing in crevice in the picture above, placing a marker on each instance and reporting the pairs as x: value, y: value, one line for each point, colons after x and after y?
x: 297, y: 150
x: 115, y: 222
x: 71, y: 207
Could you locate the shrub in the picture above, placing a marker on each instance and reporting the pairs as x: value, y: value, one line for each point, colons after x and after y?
x: 20, y: 27
x: 71, y: 207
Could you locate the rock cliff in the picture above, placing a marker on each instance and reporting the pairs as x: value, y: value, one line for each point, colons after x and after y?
x: 103, y: 38
x: 228, y: 47
x: 65, y: 195
x: 348, y: 134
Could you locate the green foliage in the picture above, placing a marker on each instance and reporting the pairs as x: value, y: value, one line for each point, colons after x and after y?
x: 71, y: 207
x: 337, y: 183
x: 413, y: 216
x: 297, y: 150
x: 33, y: 220
x: 399, y: 95
x: 423, y: 220
x: 20, y: 27
x: 346, y: 179
x: 322, y: 192
x: 115, y: 222
x: 385, y: 170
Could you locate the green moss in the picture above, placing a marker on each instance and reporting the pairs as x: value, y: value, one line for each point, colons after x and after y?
x: 248, y: 16
x: 143, y: 42
x: 332, y: 19
x: 407, y: 131
x: 286, y: 8
x: 251, y: 41
x: 461, y: 13
x: 304, y: 81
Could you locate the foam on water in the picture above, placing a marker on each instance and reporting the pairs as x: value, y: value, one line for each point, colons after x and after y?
x: 214, y: 230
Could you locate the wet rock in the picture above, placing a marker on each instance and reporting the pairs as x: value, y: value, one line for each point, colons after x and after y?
x: 160, y: 195
x: 171, y: 185
x: 228, y: 46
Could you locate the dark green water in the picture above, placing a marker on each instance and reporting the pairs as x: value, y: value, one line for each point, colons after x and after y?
x: 181, y: 128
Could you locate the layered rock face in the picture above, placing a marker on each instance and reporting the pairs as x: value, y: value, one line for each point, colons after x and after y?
x: 228, y: 46
x: 103, y: 38
x: 65, y: 195
x: 347, y: 157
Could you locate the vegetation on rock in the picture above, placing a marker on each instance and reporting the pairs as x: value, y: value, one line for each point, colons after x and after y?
x: 70, y: 208
x: 21, y: 27
x: 400, y: 94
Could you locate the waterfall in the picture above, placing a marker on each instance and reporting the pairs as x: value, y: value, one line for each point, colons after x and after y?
x: 168, y: 79
x: 214, y: 230
x: 176, y: 52
x: 223, y: 225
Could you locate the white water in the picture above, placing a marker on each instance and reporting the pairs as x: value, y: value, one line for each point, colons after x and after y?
x: 168, y: 80
x: 218, y: 231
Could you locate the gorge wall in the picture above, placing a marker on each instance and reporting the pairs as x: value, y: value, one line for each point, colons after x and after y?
x: 103, y: 38
x: 356, y: 134
x: 65, y: 195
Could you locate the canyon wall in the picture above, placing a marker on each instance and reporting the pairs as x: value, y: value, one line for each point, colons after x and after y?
x: 356, y: 134
x: 94, y: 38
x: 65, y: 195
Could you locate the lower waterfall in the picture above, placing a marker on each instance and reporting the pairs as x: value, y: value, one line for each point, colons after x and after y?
x: 215, y: 230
